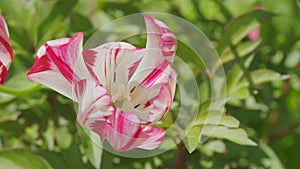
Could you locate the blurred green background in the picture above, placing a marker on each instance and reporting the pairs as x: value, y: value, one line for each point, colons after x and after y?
x: 37, y: 125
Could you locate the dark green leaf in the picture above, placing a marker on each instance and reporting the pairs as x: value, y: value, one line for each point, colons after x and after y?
x: 238, y: 28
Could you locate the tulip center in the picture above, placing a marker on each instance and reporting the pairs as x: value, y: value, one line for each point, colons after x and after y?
x: 127, y: 99
x: 121, y: 94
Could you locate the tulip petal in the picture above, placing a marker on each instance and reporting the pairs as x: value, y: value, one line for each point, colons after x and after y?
x: 159, y: 36
x: 151, y: 98
x: 125, y: 133
x: 3, y: 73
x: 6, y: 53
x: 59, y: 65
x: 159, y: 52
x: 112, y: 63
x: 94, y: 106
x: 153, y: 84
x: 123, y: 130
x: 162, y: 102
x: 154, y: 135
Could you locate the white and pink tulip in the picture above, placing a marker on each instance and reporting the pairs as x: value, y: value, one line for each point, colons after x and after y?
x: 121, y: 90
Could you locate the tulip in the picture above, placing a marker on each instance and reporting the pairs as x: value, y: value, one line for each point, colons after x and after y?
x: 6, y: 53
x: 121, y: 90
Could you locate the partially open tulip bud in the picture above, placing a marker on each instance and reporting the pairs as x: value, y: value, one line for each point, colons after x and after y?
x: 6, y: 53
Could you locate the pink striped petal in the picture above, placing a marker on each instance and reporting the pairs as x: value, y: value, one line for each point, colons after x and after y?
x: 154, y: 135
x: 125, y: 133
x: 3, y: 73
x: 152, y: 85
x: 151, y: 98
x: 112, y: 62
x: 59, y: 65
x: 159, y: 52
x: 159, y: 36
x: 6, y: 53
x: 162, y: 102
x: 94, y: 106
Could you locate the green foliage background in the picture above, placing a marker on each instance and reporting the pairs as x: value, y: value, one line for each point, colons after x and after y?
x: 38, y: 128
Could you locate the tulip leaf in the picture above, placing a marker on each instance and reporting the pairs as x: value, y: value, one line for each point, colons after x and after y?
x: 63, y: 137
x: 21, y: 159
x: 213, y: 146
x: 91, y: 148
x: 236, y: 74
x: 189, y: 56
x: 236, y: 135
x: 80, y: 23
x: 191, y: 141
x: 242, y: 50
x: 238, y: 28
x: 205, y: 90
x: 258, y: 77
x: 218, y: 119
x: 241, y: 93
x: 49, y: 135
x: 59, y: 11
x: 93, y: 151
x: 205, y: 120
x: 67, y: 158
x: 275, y: 162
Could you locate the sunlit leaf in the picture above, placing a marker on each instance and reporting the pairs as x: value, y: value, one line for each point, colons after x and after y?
x: 258, y: 77
x: 242, y: 50
x: 21, y: 159
x: 235, y: 135
x: 63, y: 137
x: 191, y: 141
x: 218, y: 119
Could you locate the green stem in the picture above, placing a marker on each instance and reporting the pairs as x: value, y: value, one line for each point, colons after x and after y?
x: 20, y: 92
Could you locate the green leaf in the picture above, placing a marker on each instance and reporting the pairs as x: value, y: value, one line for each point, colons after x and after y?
x: 205, y: 90
x: 274, y: 161
x: 241, y: 26
x: 213, y: 146
x: 243, y: 93
x: 235, y: 135
x: 217, y: 118
x: 189, y: 56
x: 63, y: 137
x: 258, y: 77
x: 49, y: 135
x: 67, y: 158
x: 239, y: 88
x: 80, y: 23
x: 12, y: 128
x: 236, y: 74
x: 242, y: 50
x: 91, y: 147
x: 191, y: 141
x: 21, y: 159
x: 59, y: 11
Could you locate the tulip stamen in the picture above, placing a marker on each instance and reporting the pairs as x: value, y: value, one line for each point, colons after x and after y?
x: 132, y: 89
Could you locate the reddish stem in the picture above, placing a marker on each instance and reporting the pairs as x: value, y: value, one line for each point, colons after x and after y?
x: 181, y: 156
